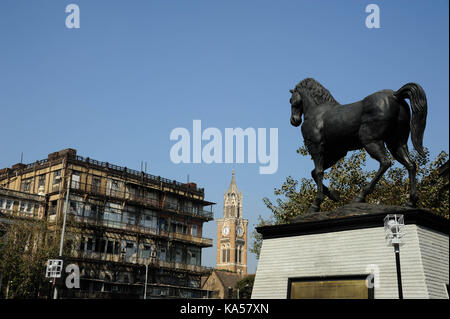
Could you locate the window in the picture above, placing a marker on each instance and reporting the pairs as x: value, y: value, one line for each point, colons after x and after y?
x: 52, y: 208
x: 113, y: 187
x: 162, y: 253
x: 22, y: 206
x: 194, y: 255
x: 56, y: 177
x: 82, y: 244
x: 130, y: 249
x: 96, y: 182
x: 41, y: 181
x: 75, y: 183
x: 226, y: 253
x: 25, y: 186
x: 29, y: 208
x: 146, y: 251
x: 110, y: 247
x: 177, y: 227
x: 194, y: 230
x: 178, y: 255
x: 163, y: 224
x: 8, y: 204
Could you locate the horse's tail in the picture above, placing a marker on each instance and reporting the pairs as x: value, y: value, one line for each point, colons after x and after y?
x: 418, y: 101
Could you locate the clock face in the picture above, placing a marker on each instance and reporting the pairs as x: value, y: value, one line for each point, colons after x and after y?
x: 240, y: 231
x: 225, y: 230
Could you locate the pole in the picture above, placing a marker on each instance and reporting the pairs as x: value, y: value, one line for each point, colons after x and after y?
x: 399, y: 275
x: 146, y: 276
x: 61, y: 244
x: 64, y: 220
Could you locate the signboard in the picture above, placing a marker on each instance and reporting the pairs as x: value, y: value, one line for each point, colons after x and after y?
x: 54, y: 268
x: 329, y: 288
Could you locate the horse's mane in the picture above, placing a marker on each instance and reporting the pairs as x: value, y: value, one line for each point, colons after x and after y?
x: 319, y: 94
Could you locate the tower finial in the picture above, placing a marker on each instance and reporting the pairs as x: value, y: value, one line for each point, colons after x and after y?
x: 233, y: 186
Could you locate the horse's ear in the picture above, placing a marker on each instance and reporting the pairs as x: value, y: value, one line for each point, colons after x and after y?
x: 292, y: 91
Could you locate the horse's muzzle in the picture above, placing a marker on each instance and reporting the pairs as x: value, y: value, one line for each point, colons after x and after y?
x: 296, y: 120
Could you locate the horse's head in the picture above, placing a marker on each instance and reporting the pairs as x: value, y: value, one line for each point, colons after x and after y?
x: 296, y: 108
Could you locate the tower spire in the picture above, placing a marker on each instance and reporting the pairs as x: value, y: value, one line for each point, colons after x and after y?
x: 233, y: 188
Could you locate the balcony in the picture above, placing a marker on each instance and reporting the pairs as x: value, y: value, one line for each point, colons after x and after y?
x: 139, y: 229
x: 126, y: 195
x: 142, y: 261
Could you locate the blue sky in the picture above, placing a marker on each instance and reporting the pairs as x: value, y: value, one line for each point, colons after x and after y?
x: 115, y: 88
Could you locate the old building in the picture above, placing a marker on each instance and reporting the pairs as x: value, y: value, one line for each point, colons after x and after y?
x: 124, y: 224
x: 221, y: 284
x: 232, y: 233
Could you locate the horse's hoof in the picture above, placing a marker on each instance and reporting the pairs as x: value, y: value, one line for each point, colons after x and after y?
x: 335, y: 196
x: 313, y: 209
x: 359, y: 199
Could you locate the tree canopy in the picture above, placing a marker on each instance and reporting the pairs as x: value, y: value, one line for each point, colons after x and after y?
x: 348, y: 176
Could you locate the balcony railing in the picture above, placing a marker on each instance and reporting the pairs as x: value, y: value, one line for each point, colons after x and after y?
x: 154, y: 262
x: 126, y: 195
x: 19, y: 214
x: 207, y: 242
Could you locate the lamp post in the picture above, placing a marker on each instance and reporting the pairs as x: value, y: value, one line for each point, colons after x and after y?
x: 64, y: 219
x: 63, y: 230
x: 394, y: 227
x: 150, y: 260
x: 146, y: 278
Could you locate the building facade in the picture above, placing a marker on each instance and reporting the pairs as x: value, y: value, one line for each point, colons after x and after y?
x: 127, y: 226
x: 232, y: 233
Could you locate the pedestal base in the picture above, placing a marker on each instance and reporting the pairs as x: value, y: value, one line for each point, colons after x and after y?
x: 344, y: 254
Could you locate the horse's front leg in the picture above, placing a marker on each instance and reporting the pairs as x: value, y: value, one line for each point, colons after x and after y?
x: 377, y: 151
x: 318, y: 172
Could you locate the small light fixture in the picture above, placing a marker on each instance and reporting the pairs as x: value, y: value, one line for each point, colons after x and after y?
x: 394, y: 228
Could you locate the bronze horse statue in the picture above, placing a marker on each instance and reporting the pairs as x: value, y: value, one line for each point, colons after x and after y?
x: 381, y: 119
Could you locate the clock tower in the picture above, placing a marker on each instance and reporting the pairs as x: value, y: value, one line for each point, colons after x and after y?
x: 232, y: 232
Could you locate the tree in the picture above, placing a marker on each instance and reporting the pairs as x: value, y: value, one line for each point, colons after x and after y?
x: 25, y: 247
x: 348, y: 177
x: 245, y: 287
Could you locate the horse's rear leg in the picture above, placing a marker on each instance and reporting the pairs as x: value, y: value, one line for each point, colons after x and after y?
x: 377, y: 151
x: 401, y: 154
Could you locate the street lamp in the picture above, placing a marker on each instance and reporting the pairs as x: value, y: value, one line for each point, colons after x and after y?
x: 63, y: 230
x: 394, y: 228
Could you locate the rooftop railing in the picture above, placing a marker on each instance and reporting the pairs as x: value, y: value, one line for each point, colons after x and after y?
x: 131, y: 172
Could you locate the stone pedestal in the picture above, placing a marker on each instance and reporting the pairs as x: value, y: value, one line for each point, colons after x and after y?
x: 346, y: 247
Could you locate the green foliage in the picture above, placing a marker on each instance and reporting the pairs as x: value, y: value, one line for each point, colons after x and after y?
x: 245, y: 287
x: 348, y: 177
x: 25, y: 247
